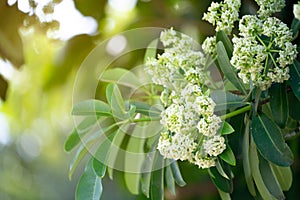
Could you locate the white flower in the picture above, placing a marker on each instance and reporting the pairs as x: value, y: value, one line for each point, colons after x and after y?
x: 255, y: 51
x: 296, y: 11
x: 209, y: 45
x: 172, y: 118
x: 205, y: 162
x: 177, y: 147
x: 223, y: 15
x: 267, y: 7
x: 209, y: 126
x: 215, y: 145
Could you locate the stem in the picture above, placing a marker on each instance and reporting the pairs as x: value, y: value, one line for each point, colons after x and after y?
x: 236, y: 112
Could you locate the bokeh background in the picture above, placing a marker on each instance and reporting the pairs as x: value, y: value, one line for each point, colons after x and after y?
x: 42, y: 44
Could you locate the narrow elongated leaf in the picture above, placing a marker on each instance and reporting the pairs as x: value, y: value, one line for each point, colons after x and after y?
x: 284, y: 176
x: 269, y: 179
x: 246, y: 160
x: 176, y: 174
x: 295, y: 78
x: 99, y: 168
x: 148, y: 166
x: 121, y: 76
x: 294, y: 102
x: 89, y: 186
x: 226, y: 100
x: 81, y: 152
x: 221, y: 36
x: 227, y: 68
x: 146, y: 109
x: 224, y: 195
x: 295, y: 26
x: 269, y: 141
x: 134, y: 158
x: 279, y: 104
x: 91, y: 107
x: 221, y: 170
x: 228, y: 156
x: 226, y: 129
x: 75, y: 137
x: 170, y: 180
x: 220, y: 182
x: 254, y: 163
x: 116, y: 102
x: 151, y: 50
x: 157, y: 184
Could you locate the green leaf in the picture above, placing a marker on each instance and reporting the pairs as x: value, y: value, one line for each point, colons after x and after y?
x: 89, y: 186
x: 225, y: 100
x: 246, y: 160
x: 295, y: 78
x: 254, y: 164
x: 269, y: 141
x: 279, y: 104
x: 284, y: 176
x: 151, y: 50
x: 226, y: 129
x: 170, y: 180
x: 295, y: 26
x: 134, y: 158
x: 176, y: 174
x: 224, y: 195
x: 146, y: 109
x: 116, y: 102
x: 75, y: 137
x: 221, y: 170
x: 221, y: 36
x: 157, y: 184
x: 220, y: 182
x: 228, y: 156
x: 269, y: 180
x: 228, y: 69
x: 294, y: 102
x: 148, y: 166
x: 99, y: 168
x: 81, y: 152
x: 121, y: 76
x: 91, y: 107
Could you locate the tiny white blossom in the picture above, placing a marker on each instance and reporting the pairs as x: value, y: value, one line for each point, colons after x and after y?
x: 296, y: 11
x: 209, y: 126
x: 177, y: 147
x: 261, y: 40
x: 172, y: 117
x: 267, y: 7
x: 223, y: 15
x: 203, y: 162
x: 215, y: 145
x: 209, y: 45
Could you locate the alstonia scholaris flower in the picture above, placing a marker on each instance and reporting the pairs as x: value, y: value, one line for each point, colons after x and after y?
x: 296, y: 11
x: 267, y: 7
x: 191, y: 127
x: 223, y: 15
x: 209, y: 45
x: 263, y: 52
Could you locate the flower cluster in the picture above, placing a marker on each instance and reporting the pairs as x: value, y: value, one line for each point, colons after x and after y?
x: 209, y: 45
x: 296, y: 11
x: 263, y: 52
x: 267, y: 7
x: 191, y: 127
x: 223, y: 15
